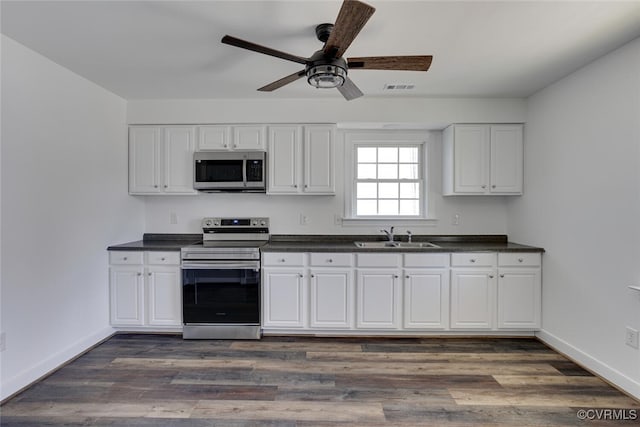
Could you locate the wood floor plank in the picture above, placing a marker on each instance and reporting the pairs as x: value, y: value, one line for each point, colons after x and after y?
x: 316, y: 346
x: 181, y: 363
x: 536, y: 380
x: 433, y: 357
x: 291, y: 410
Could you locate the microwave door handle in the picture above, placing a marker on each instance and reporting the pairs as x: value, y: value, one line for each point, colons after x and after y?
x: 244, y: 172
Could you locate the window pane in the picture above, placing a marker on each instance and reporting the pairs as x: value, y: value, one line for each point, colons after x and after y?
x: 409, y: 207
x: 367, y: 155
x: 408, y: 171
x: 409, y: 190
x: 367, y: 190
x: 388, y: 190
x: 388, y: 207
x: 408, y: 154
x: 367, y: 207
x: 366, y: 171
x: 388, y: 171
x: 387, y: 155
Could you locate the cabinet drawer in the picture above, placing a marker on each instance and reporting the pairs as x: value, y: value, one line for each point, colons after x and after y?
x: 378, y: 260
x: 284, y: 258
x: 426, y: 260
x: 473, y: 259
x: 125, y: 257
x: 163, y: 258
x: 322, y: 259
x: 514, y: 259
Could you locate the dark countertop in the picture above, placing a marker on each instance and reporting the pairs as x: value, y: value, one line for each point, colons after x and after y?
x: 337, y: 243
x: 340, y: 243
x: 159, y: 242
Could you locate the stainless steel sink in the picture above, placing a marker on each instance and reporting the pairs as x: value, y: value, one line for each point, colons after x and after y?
x: 395, y: 245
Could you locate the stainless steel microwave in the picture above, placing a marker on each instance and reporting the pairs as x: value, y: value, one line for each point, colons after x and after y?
x: 230, y: 171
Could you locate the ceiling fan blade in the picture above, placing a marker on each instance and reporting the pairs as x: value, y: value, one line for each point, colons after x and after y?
x: 349, y: 90
x: 233, y: 41
x: 351, y: 19
x: 407, y: 63
x: 283, y: 81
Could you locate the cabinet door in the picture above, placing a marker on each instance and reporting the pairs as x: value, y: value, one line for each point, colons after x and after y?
x: 216, y: 137
x: 144, y: 160
x: 126, y: 283
x: 506, y: 159
x: 284, y: 298
x: 331, y: 298
x: 472, y: 299
x: 378, y: 299
x: 164, y: 302
x: 426, y: 299
x: 471, y: 159
x: 284, y: 159
x: 249, y: 138
x: 319, y: 160
x: 519, y: 294
x: 178, y: 160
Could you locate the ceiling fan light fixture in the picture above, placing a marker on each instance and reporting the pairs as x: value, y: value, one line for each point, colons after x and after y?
x: 326, y: 76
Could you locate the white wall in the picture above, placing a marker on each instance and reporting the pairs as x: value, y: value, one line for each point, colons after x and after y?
x: 582, y: 204
x: 64, y: 200
x: 478, y: 215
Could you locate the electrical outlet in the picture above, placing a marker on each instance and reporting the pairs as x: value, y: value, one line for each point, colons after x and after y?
x: 337, y: 219
x: 3, y: 341
x: 631, y: 337
x: 173, y: 218
x: 455, y: 220
x: 304, y: 220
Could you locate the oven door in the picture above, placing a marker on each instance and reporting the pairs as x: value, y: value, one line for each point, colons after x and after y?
x: 224, y: 292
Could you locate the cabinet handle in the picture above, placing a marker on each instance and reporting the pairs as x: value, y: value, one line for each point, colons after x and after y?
x: 329, y: 260
x: 472, y: 260
x: 155, y: 186
x: 125, y: 258
x: 502, y: 275
x: 313, y: 275
x: 300, y: 276
x: 484, y: 186
x: 166, y: 186
x: 162, y: 259
x: 150, y: 274
x: 295, y: 185
x: 491, y: 276
x: 281, y: 260
x: 407, y: 276
x: 139, y: 274
x: 520, y: 259
x: 493, y: 186
x: 224, y: 145
x: 395, y: 276
x: 306, y: 186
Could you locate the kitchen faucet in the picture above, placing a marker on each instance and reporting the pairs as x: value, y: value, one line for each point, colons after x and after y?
x: 389, y: 233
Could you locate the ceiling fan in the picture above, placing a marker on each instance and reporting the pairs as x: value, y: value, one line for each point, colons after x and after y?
x: 327, y: 68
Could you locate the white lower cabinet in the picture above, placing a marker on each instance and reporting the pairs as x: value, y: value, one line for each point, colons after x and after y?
x: 378, y: 301
x: 284, y: 298
x: 145, y: 289
x: 331, y: 298
x: 404, y: 292
x: 519, y: 291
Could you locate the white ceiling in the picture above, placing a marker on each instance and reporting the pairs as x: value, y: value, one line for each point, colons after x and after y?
x: 172, y: 49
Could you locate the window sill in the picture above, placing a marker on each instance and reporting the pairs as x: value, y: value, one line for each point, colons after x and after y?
x: 427, y: 222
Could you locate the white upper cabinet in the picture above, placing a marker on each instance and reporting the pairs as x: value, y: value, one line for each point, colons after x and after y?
x: 301, y: 159
x: 482, y: 160
x: 161, y: 160
x: 232, y: 137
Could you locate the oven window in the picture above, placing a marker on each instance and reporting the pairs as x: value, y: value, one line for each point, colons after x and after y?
x: 219, y: 171
x: 221, y: 296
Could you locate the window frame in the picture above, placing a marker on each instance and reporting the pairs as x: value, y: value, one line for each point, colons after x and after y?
x: 381, y: 138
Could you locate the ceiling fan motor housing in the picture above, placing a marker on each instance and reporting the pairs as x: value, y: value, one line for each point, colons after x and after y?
x: 326, y: 72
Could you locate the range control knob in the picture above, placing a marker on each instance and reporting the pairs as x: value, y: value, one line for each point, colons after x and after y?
x: 254, y: 222
x: 263, y: 223
x: 208, y: 223
x: 216, y: 223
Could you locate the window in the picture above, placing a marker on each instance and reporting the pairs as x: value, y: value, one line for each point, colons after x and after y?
x: 385, y: 176
x: 388, y: 180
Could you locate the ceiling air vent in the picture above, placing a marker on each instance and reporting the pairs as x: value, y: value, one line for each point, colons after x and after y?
x: 399, y: 86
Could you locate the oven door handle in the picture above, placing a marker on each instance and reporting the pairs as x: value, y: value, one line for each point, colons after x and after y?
x: 222, y: 265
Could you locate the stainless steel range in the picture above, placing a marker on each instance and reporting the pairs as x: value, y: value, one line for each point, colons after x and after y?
x: 221, y: 280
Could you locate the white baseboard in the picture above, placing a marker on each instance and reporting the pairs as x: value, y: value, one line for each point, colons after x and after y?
x: 610, y: 374
x: 10, y: 386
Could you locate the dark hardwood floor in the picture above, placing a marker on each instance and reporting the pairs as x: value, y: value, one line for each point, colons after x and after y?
x: 162, y: 380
